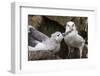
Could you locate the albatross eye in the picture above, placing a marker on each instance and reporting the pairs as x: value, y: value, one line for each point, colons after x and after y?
x: 67, y: 25
x: 73, y: 25
x: 58, y: 34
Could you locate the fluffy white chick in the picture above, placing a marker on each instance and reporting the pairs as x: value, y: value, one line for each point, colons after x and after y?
x: 51, y: 44
x: 72, y: 38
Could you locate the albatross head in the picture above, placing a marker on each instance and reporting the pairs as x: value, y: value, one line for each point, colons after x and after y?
x: 70, y: 26
x: 57, y: 36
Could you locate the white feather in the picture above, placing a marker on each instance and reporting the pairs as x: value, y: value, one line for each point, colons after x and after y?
x: 51, y: 44
x: 73, y: 39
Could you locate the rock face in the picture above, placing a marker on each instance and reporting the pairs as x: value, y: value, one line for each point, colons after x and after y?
x: 51, y: 24
x: 38, y: 55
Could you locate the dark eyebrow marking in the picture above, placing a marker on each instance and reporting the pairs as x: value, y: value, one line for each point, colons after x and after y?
x: 68, y: 25
x: 72, y: 25
x: 58, y: 34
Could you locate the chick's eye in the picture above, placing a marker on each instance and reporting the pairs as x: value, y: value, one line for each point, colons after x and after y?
x: 73, y: 25
x: 68, y: 25
x: 58, y: 34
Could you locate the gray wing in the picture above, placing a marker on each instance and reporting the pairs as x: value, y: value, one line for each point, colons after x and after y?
x: 37, y: 35
x: 32, y: 41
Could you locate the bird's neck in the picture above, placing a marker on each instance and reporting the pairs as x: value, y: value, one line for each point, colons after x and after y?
x: 54, y: 40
